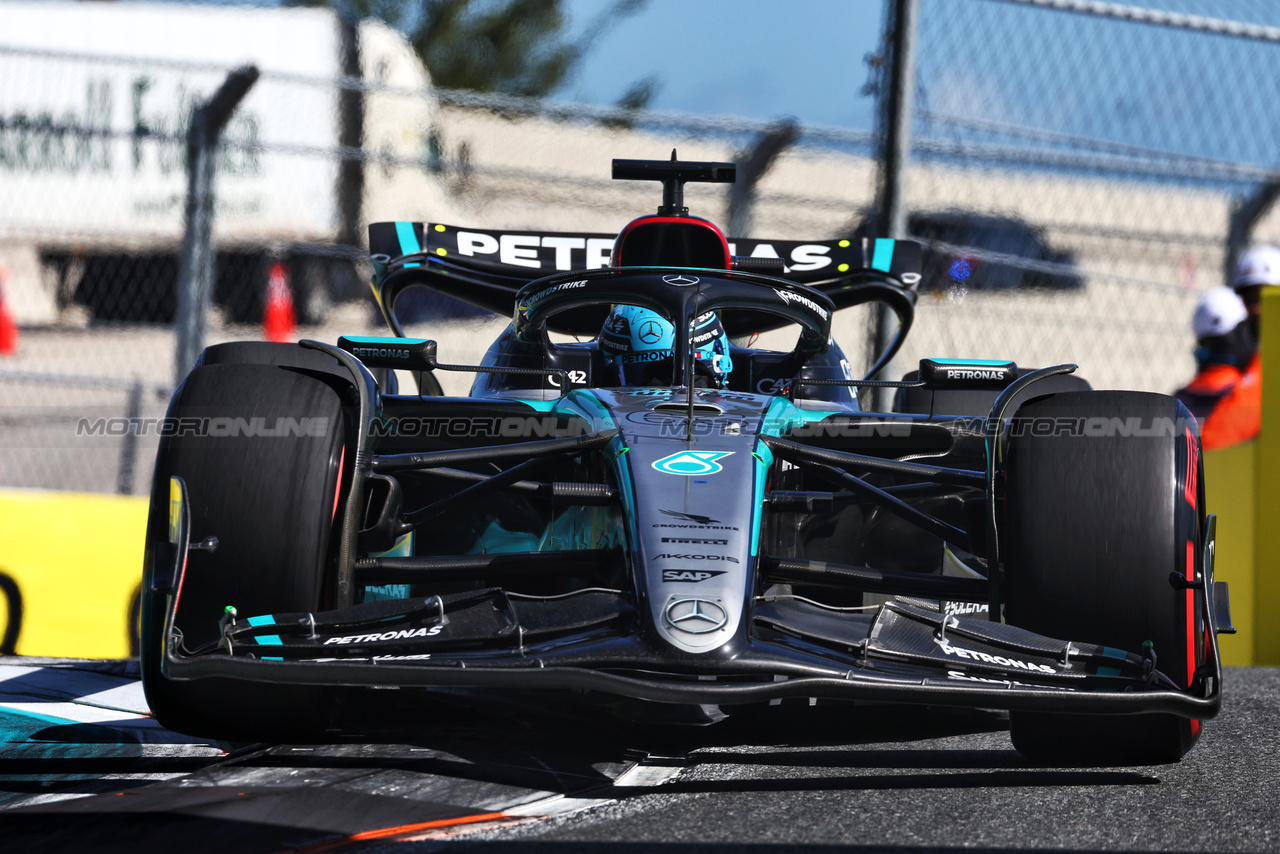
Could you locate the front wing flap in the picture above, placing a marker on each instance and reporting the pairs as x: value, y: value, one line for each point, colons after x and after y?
x: 908, y: 652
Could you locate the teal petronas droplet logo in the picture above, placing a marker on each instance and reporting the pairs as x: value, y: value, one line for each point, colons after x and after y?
x: 691, y: 462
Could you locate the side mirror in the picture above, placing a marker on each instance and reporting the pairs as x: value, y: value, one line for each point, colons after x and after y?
x: 406, y: 354
x: 966, y: 373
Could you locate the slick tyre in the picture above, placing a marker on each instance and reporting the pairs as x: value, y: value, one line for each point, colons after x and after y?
x: 1101, y: 509
x: 271, y: 501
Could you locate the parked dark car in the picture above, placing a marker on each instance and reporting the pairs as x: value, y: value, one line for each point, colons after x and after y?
x: 963, y: 249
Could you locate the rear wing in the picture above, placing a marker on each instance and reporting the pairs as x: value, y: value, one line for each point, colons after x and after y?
x: 486, y: 268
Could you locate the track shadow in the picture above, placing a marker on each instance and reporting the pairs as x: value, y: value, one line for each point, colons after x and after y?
x: 905, y: 780
x: 445, y: 757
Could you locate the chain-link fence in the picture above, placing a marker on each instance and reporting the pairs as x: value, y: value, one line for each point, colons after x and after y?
x: 93, y: 187
x: 1108, y: 147
x: 1076, y: 170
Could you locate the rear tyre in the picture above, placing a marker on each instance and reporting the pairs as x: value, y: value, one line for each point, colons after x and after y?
x: 1096, y: 522
x: 270, y: 501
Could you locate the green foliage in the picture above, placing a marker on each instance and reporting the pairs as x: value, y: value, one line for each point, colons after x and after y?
x: 635, y: 98
x: 640, y: 93
x: 511, y: 48
x: 508, y: 47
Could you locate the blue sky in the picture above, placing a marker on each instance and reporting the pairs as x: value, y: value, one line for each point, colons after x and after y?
x: 760, y: 59
x: 1100, y: 79
x: 752, y: 58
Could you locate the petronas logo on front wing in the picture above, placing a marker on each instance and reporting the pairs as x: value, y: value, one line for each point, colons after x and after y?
x: 691, y: 462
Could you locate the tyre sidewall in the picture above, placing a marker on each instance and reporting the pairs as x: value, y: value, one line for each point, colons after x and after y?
x: 270, y: 500
x: 1100, y: 511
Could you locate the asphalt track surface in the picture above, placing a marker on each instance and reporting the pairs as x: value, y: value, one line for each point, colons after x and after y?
x: 83, y: 769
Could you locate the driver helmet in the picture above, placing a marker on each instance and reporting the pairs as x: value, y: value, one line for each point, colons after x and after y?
x: 639, y: 343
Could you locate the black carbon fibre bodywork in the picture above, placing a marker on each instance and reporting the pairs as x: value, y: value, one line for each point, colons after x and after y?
x: 694, y: 542
x: 726, y: 534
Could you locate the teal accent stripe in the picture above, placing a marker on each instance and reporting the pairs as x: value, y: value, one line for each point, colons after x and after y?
x: 272, y: 658
x: 968, y: 361
x: 269, y: 640
x: 783, y: 415
x: 261, y: 621
x: 382, y: 592
x: 384, y: 339
x: 623, y: 463
x: 590, y: 403
x: 882, y: 258
x: 764, y: 461
x: 408, y: 240
x: 1111, y: 652
x: 778, y: 418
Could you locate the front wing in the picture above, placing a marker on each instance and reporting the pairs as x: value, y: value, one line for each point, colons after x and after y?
x: 906, y: 651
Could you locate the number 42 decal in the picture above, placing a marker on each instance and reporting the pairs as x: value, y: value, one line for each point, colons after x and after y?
x: 575, y: 378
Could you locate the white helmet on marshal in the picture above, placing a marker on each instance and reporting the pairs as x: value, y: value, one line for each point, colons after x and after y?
x: 1218, y: 312
x: 1258, y: 266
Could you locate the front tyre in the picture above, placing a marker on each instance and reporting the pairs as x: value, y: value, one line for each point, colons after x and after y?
x: 1104, y: 500
x: 263, y: 475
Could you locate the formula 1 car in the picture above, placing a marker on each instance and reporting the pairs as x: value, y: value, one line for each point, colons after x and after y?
x: 635, y: 505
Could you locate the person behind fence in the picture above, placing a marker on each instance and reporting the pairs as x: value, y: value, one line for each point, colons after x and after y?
x: 1224, y: 347
x: 1238, y: 415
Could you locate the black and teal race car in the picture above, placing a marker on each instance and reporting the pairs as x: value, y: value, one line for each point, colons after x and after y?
x: 636, y: 505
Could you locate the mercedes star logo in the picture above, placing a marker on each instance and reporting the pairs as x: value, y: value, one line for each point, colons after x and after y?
x: 680, y: 280
x: 650, y: 332
x: 696, y: 616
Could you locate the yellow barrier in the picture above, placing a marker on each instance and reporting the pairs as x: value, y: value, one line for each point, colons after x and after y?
x: 1229, y: 492
x: 1243, y: 489
x: 73, y: 565
x: 1266, y: 533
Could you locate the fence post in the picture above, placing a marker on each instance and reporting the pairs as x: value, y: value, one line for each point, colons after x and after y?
x: 350, y: 138
x: 752, y: 166
x: 1244, y: 216
x: 895, y: 160
x: 129, y: 447
x: 196, y: 266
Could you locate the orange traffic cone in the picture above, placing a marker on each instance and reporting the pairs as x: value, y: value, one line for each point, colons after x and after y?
x: 8, y: 326
x: 278, y: 319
